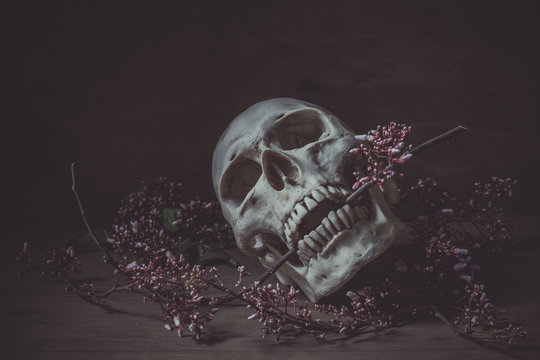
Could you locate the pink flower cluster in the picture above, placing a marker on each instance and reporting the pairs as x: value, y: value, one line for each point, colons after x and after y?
x: 510, y: 334
x: 446, y: 239
x: 369, y: 308
x: 176, y: 286
x: 485, y: 212
x: 280, y: 312
x: 477, y: 310
x: 157, y: 250
x: 139, y: 227
x: 381, y: 147
x: 267, y: 301
x: 61, y: 265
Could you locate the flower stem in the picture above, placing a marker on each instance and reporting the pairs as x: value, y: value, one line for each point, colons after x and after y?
x: 108, y: 257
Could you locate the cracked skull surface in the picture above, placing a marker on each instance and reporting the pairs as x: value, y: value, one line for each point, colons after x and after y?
x: 280, y: 171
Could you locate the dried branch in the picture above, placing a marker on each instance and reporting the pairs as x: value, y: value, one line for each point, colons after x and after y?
x: 108, y: 257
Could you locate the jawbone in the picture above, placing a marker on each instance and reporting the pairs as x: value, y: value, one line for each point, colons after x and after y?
x: 345, y: 254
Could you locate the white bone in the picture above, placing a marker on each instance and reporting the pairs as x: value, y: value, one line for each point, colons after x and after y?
x: 330, y: 254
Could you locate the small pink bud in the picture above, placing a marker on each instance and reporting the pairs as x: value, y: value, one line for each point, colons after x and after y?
x: 69, y: 251
x: 365, y: 179
x: 170, y: 256
x: 458, y: 251
x: 135, y: 226
x: 292, y: 291
x: 404, y: 158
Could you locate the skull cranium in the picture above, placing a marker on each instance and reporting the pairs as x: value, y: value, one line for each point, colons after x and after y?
x: 279, y: 171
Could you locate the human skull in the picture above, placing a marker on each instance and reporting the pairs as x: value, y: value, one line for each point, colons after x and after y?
x: 280, y: 170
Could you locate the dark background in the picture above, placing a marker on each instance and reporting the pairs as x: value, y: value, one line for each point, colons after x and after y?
x: 133, y: 90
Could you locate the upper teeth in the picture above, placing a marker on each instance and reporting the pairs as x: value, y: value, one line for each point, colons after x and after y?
x: 310, y: 203
x: 334, y: 223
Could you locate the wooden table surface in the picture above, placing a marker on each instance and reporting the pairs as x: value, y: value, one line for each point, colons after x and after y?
x: 39, y: 320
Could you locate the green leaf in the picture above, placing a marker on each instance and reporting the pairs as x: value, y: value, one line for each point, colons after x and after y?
x: 222, y: 255
x: 169, y: 217
x: 200, y: 252
x: 185, y: 246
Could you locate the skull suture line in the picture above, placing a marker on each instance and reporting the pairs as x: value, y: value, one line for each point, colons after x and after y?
x: 278, y: 170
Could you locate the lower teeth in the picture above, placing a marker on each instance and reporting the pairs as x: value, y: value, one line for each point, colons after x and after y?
x: 317, y: 239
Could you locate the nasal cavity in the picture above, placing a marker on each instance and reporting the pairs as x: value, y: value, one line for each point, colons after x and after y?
x: 278, y: 168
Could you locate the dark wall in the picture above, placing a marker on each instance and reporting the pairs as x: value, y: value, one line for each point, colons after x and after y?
x: 132, y: 90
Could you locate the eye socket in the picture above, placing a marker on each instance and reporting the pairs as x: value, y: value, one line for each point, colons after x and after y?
x: 299, y: 129
x: 239, y: 179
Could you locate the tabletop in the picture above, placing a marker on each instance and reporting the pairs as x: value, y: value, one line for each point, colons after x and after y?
x: 40, y: 320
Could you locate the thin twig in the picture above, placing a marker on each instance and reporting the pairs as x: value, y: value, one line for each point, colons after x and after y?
x: 261, y: 279
x: 276, y: 266
x: 476, y: 336
x: 115, y: 289
x: 108, y: 258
